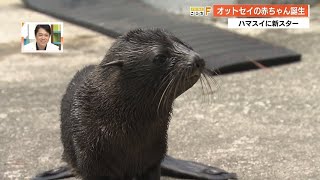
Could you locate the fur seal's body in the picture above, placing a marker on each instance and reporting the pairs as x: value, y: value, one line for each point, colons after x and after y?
x: 115, y: 115
x: 113, y: 122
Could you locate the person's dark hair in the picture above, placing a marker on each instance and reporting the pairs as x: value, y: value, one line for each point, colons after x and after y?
x: 46, y: 27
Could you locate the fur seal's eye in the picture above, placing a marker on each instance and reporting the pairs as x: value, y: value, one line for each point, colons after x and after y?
x: 160, y: 59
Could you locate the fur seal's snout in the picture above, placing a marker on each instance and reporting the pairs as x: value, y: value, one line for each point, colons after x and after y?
x: 197, y: 64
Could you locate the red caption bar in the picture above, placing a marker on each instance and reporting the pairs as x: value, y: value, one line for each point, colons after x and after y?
x: 261, y: 10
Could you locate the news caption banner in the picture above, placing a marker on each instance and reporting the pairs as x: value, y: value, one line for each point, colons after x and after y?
x: 280, y: 16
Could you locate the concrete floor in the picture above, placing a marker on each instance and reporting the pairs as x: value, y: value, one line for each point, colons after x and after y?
x: 261, y: 124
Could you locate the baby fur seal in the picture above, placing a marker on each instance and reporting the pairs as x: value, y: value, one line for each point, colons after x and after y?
x: 115, y: 115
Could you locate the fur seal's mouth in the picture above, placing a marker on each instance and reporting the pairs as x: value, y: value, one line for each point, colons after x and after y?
x: 194, y: 76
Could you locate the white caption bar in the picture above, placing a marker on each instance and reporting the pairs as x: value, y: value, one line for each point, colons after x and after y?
x: 268, y: 23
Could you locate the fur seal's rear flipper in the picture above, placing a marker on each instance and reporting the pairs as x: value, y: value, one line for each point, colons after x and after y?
x: 191, y: 170
x: 169, y: 167
x: 58, y: 173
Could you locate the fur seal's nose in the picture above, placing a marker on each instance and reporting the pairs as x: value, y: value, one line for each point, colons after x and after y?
x: 197, y: 62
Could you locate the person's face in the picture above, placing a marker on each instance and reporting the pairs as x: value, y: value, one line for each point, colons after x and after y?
x: 42, y: 37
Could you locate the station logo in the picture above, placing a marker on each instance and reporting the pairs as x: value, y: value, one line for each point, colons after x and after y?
x: 200, y: 10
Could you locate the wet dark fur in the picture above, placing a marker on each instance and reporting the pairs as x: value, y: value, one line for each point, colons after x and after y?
x: 115, y: 115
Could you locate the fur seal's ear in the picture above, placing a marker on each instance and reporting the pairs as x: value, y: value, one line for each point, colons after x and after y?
x: 118, y: 63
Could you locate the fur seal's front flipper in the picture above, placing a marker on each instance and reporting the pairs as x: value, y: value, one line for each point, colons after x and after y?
x: 191, y: 170
x: 58, y: 173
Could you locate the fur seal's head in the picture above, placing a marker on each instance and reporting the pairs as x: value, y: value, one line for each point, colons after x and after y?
x: 154, y: 62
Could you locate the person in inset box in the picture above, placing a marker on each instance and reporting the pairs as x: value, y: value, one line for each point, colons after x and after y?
x: 42, y: 33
